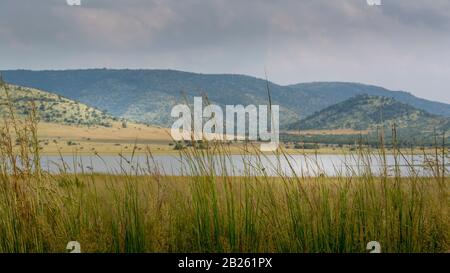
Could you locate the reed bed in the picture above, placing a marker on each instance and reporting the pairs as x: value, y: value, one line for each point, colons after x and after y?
x: 212, y: 209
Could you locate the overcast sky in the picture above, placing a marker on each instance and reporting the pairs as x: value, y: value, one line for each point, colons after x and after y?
x: 402, y: 45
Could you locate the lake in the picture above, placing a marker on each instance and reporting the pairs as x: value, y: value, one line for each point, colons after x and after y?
x: 238, y: 165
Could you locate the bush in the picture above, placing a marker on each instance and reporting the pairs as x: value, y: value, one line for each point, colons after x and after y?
x: 178, y: 146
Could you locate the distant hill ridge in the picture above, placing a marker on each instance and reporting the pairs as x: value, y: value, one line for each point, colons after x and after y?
x: 148, y: 95
x: 364, y: 112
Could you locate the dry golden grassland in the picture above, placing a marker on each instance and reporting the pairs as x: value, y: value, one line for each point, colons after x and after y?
x: 328, y: 132
x: 65, y: 139
x: 138, y: 138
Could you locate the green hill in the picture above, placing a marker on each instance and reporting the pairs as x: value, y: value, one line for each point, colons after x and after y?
x: 148, y: 95
x: 364, y: 112
x: 50, y: 107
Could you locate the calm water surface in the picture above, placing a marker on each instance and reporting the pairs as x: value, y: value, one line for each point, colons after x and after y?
x: 238, y: 165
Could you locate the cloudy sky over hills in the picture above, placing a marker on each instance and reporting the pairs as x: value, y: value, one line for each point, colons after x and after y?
x: 402, y: 45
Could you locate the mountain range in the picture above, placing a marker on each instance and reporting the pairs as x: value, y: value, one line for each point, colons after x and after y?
x: 148, y: 95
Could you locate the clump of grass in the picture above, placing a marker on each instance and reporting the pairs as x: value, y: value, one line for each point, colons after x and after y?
x: 212, y: 208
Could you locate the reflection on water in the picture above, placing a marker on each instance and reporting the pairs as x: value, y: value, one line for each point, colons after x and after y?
x: 238, y: 165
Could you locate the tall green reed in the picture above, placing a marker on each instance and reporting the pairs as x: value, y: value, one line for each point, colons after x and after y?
x: 213, y: 208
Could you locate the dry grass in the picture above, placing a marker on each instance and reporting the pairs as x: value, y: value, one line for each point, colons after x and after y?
x: 115, y: 133
x: 111, y: 213
x: 327, y: 132
x: 212, y: 211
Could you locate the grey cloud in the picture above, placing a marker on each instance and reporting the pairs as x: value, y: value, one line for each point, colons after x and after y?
x: 402, y: 45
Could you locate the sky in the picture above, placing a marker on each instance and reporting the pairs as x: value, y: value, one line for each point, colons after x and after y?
x: 400, y: 45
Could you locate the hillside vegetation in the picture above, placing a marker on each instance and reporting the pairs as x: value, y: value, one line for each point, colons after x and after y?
x: 365, y: 112
x: 148, y: 95
x: 51, y: 108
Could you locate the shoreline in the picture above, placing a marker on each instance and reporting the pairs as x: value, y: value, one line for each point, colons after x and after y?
x: 237, y: 151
